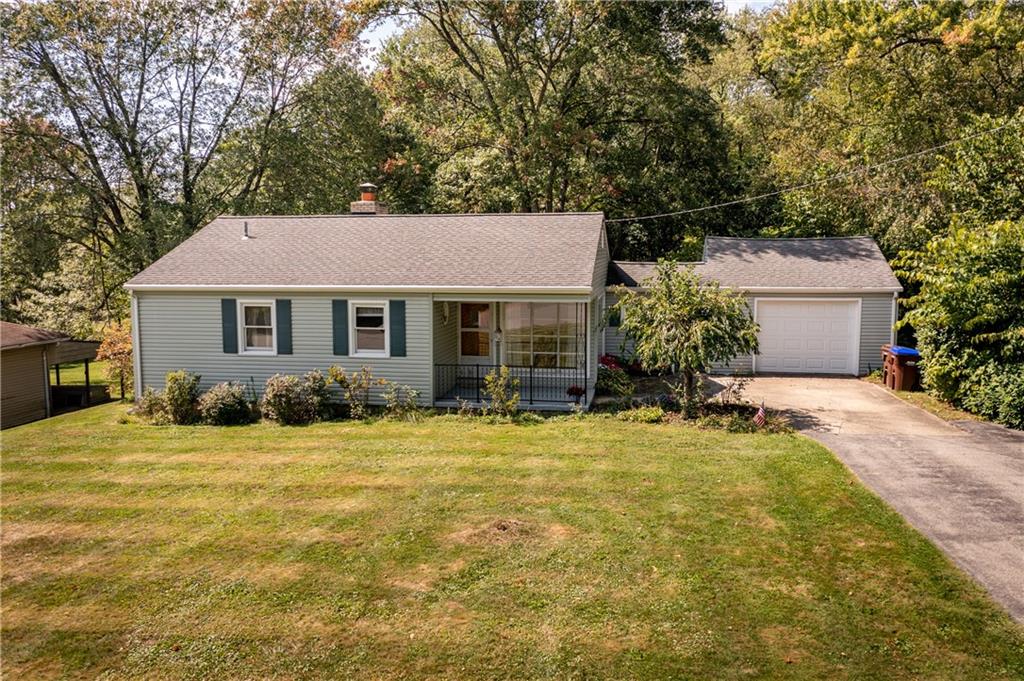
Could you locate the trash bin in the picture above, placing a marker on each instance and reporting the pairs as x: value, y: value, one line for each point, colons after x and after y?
x: 887, y: 362
x: 904, y: 373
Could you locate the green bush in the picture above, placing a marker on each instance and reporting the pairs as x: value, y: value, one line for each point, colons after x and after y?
x: 355, y: 389
x: 997, y: 393
x: 400, y: 401
x: 614, y: 381
x: 152, y: 407
x: 225, y: 404
x: 181, y: 393
x: 501, y: 390
x: 291, y: 401
x: 643, y: 415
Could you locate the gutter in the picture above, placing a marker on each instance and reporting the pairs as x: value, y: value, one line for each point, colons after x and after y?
x: 330, y: 288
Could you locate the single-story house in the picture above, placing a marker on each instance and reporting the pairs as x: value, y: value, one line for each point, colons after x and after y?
x: 28, y: 353
x: 435, y: 302
x: 825, y: 306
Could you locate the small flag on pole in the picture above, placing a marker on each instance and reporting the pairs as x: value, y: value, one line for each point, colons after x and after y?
x: 760, y: 416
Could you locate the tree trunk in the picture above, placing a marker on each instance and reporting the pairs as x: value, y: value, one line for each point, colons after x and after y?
x: 689, y: 402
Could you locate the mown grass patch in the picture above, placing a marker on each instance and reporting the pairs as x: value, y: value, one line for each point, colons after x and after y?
x: 459, y: 548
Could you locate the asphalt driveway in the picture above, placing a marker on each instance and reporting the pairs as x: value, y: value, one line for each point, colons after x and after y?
x: 960, y: 483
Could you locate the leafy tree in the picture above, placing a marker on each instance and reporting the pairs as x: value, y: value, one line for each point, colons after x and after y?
x: 864, y: 82
x: 126, y: 105
x: 677, y: 320
x: 969, y: 312
x: 116, y: 350
x: 551, y: 106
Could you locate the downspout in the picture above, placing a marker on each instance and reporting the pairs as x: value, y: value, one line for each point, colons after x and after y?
x: 892, y: 329
x: 136, y: 351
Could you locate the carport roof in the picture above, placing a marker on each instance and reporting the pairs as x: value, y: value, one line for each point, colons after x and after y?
x: 20, y: 336
x: 826, y: 264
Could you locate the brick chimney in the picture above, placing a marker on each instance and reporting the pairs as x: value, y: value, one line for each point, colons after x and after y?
x: 367, y: 203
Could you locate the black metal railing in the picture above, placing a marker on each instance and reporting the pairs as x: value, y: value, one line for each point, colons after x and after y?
x: 536, y: 384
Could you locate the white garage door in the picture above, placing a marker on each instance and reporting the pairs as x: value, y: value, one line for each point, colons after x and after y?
x: 807, y: 337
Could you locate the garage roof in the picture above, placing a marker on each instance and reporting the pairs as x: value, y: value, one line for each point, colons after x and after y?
x: 827, y: 264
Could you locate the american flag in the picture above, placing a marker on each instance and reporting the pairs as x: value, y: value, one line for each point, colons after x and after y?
x: 760, y: 416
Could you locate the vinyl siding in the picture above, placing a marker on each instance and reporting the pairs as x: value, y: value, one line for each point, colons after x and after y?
x: 875, y: 330
x: 183, y: 331
x: 24, y: 386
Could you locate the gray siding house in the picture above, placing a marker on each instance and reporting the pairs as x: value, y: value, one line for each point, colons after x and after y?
x: 437, y: 302
x: 825, y: 306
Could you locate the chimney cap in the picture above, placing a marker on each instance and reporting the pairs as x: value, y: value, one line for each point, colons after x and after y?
x: 368, y: 186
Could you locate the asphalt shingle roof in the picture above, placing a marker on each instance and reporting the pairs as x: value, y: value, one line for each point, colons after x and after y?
x: 18, y: 335
x: 829, y: 263
x: 481, y: 250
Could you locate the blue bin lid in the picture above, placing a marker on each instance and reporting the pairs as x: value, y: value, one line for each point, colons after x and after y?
x: 904, y: 351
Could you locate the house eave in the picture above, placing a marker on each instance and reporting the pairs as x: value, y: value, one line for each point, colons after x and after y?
x: 799, y: 289
x: 330, y: 288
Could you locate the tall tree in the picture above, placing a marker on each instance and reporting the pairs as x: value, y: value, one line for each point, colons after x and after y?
x: 127, y: 104
x: 551, y: 106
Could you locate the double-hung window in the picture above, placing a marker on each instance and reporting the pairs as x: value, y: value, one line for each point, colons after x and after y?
x: 257, y: 327
x: 369, y: 332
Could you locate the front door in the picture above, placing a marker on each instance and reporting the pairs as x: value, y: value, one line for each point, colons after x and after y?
x: 476, y: 333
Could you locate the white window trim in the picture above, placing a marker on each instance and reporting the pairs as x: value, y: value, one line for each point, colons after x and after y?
x: 246, y: 302
x: 353, y: 348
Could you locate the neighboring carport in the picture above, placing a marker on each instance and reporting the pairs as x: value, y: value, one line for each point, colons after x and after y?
x: 26, y: 355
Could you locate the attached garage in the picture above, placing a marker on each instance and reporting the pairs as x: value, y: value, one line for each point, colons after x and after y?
x: 825, y: 306
x: 806, y: 336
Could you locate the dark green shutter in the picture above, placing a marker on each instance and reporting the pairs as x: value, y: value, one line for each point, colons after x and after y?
x: 339, y: 321
x: 396, y: 315
x: 284, y: 326
x: 229, y: 325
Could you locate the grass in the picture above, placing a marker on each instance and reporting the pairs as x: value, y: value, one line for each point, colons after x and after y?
x: 73, y: 373
x: 455, y: 549
x: 944, y: 410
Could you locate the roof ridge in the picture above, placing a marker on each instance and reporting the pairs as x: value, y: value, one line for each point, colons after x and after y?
x: 405, y: 215
x: 789, y: 238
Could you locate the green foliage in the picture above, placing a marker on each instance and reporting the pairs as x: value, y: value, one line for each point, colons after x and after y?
x: 401, y: 401
x: 653, y: 414
x: 291, y: 401
x: 355, y: 388
x: 501, y: 392
x: 743, y: 422
x: 614, y: 381
x: 969, y: 312
x: 152, y: 407
x: 116, y: 350
x: 996, y: 391
x: 226, y: 404
x: 181, y: 390
x: 678, y: 321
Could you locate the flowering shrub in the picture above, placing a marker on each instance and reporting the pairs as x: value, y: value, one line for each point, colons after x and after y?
x: 609, y: 362
x: 225, y: 404
x: 291, y: 401
x: 614, y: 381
x: 181, y: 393
x: 355, y: 388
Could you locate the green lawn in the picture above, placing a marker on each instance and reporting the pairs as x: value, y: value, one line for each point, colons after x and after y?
x: 461, y: 549
x: 73, y: 373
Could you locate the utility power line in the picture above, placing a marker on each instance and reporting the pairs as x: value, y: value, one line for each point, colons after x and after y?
x: 830, y: 178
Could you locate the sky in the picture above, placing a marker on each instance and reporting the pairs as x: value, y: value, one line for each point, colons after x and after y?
x: 376, y: 36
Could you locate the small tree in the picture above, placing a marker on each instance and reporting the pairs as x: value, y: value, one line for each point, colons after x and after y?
x: 116, y: 350
x: 677, y: 320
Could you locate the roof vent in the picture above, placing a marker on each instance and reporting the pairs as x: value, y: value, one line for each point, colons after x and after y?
x: 367, y: 203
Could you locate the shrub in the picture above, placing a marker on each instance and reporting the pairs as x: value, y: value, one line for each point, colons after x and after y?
x: 355, y: 389
x: 291, y: 401
x: 997, y: 393
x: 182, y: 393
x: 609, y: 361
x: 614, y: 381
x: 501, y: 390
x: 116, y: 351
x: 152, y: 407
x: 400, y: 401
x: 225, y: 404
x: 643, y: 415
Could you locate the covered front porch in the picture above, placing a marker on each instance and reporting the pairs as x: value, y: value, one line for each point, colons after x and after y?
x: 546, y: 345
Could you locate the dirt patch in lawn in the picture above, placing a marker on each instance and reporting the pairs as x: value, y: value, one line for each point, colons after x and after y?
x: 510, y: 530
